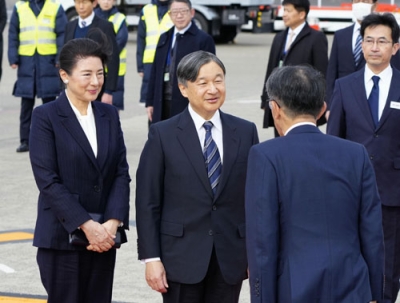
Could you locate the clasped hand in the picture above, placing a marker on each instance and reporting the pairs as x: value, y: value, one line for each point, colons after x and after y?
x: 100, y: 236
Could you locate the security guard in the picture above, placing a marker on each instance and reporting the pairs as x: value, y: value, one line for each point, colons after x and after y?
x: 35, y: 38
x: 153, y: 22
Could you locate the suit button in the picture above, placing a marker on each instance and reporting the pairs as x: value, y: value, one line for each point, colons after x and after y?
x: 96, y: 188
x: 371, y: 157
x: 214, y: 207
x: 210, y: 232
x: 376, y: 135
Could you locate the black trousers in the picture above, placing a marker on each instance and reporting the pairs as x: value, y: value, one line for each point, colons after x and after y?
x: 213, y: 288
x: 25, y: 117
x: 77, y: 276
x: 391, y: 231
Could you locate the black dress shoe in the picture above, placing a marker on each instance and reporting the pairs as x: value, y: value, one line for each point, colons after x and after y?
x: 24, y: 147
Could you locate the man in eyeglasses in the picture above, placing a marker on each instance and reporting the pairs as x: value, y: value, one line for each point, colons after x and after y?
x: 366, y: 109
x: 164, y: 99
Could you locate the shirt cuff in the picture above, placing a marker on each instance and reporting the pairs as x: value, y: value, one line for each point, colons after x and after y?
x: 144, y: 261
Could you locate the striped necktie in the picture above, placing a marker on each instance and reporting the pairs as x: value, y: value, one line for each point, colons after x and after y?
x: 357, y: 49
x: 211, y: 157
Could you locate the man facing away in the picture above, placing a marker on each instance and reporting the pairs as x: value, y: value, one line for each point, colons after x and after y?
x: 298, y: 44
x: 366, y: 109
x: 190, y: 192
x: 164, y: 99
x: 313, y: 214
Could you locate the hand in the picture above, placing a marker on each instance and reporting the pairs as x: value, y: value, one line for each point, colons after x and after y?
x: 327, y: 117
x: 106, y: 98
x: 100, y: 239
x: 14, y: 66
x: 112, y: 225
x: 156, y: 277
x: 149, y: 110
x: 141, y: 74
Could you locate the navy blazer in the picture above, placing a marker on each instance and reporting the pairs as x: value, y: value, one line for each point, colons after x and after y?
x: 192, y: 40
x: 113, y: 60
x: 314, y: 222
x: 71, y: 181
x: 177, y: 217
x: 350, y: 118
x: 341, y: 60
x: 310, y: 47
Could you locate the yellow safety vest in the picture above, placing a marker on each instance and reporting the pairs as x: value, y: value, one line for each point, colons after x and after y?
x: 117, y: 20
x: 37, y: 32
x: 153, y: 30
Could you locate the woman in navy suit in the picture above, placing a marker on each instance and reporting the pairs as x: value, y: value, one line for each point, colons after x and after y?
x: 78, y: 158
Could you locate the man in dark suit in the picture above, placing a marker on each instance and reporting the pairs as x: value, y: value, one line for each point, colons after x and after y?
x: 164, y: 99
x: 190, y: 192
x: 366, y: 109
x: 313, y: 214
x: 84, y: 27
x: 298, y: 44
x: 346, y: 52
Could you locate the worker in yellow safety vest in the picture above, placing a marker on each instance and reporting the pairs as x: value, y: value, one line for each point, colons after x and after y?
x: 108, y: 11
x: 35, y: 38
x: 154, y: 21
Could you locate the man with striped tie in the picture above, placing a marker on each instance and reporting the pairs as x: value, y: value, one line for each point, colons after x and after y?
x: 190, y: 192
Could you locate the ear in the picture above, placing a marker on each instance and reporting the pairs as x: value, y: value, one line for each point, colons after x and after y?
x: 303, y: 15
x: 192, y: 12
x: 63, y: 75
x: 323, y: 110
x: 395, y: 48
x: 94, y: 3
x: 183, y: 88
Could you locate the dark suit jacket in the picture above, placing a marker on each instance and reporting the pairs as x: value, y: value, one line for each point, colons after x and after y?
x: 192, y: 40
x: 314, y: 226
x: 350, y: 118
x: 71, y: 181
x: 177, y: 217
x: 113, y: 60
x: 310, y: 47
x: 341, y: 60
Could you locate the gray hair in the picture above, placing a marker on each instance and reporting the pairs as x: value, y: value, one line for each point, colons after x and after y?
x: 189, y: 67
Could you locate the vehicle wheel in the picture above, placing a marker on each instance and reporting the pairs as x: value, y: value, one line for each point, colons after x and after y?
x: 227, y: 34
x: 201, y: 22
x: 72, y: 14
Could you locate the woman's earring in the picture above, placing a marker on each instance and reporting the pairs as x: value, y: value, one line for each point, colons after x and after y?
x: 65, y: 81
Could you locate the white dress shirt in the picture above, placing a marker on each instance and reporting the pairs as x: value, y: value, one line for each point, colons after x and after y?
x: 299, y: 124
x: 384, y: 85
x: 88, y: 125
x: 180, y: 32
x: 88, y: 20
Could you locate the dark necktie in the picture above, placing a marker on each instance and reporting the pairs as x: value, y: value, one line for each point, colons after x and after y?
x: 373, y: 100
x: 357, y: 50
x: 172, y: 69
x: 211, y: 157
x: 83, y: 23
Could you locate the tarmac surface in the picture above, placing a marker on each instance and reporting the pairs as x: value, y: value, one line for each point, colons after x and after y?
x: 245, y: 61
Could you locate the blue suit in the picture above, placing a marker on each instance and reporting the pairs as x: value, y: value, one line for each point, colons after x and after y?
x: 178, y: 217
x: 313, y: 221
x: 341, y: 60
x: 351, y: 119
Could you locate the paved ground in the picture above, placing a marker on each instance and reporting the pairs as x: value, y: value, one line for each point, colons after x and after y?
x: 245, y: 62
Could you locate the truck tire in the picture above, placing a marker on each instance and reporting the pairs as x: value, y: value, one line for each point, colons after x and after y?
x: 72, y: 14
x: 227, y: 34
x: 201, y: 22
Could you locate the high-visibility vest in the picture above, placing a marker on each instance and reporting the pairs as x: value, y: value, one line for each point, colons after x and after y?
x: 154, y: 29
x: 37, y: 33
x: 117, y: 20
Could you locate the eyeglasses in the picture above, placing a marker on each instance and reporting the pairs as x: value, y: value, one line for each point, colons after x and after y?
x: 85, y: 2
x: 183, y: 12
x: 381, y: 42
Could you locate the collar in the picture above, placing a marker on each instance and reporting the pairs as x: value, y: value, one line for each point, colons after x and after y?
x: 297, y: 30
x: 76, y: 111
x: 199, y: 121
x: 183, y: 30
x: 299, y: 124
x: 88, y: 20
x: 385, y: 74
x: 357, y: 27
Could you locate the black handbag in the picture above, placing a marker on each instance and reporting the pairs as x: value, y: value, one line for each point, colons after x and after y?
x: 78, y: 237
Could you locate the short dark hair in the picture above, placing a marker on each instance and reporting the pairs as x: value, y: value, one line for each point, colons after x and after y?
x: 189, y: 67
x: 182, y: 1
x: 299, y: 5
x: 386, y: 19
x: 299, y: 90
x: 77, y: 49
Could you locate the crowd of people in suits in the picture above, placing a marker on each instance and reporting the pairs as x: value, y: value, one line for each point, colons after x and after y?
x: 305, y: 216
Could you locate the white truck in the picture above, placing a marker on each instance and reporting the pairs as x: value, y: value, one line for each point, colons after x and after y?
x: 220, y: 18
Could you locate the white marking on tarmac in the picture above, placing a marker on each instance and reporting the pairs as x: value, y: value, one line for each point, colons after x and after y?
x: 6, y: 269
